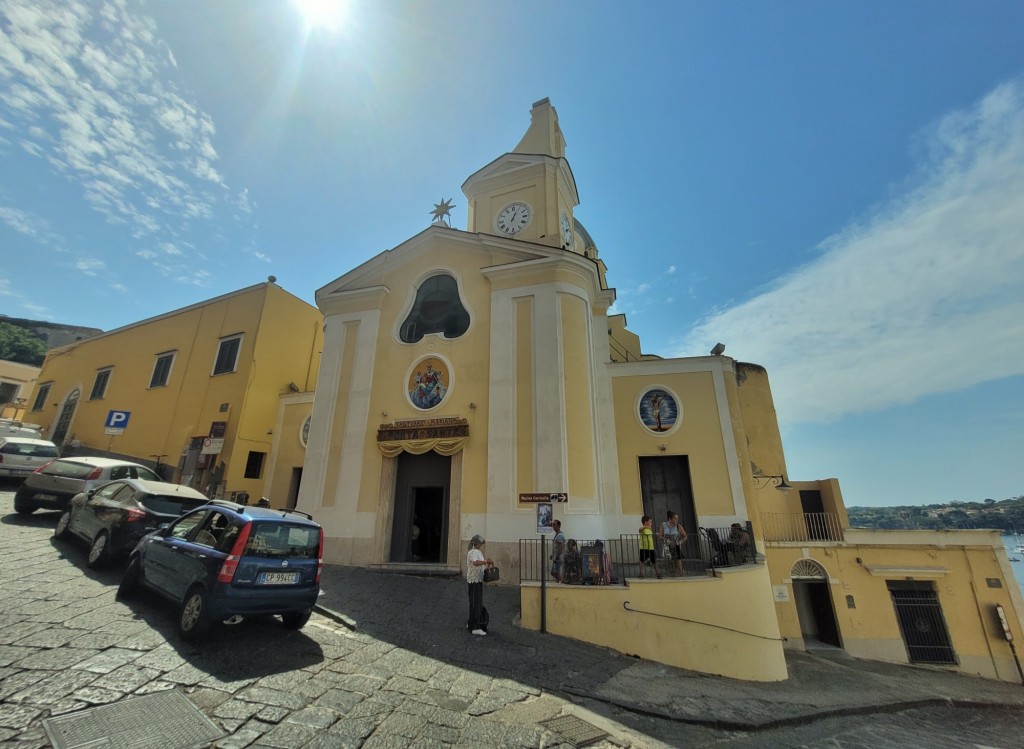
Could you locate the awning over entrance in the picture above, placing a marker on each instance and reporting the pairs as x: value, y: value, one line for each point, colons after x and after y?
x: 444, y: 436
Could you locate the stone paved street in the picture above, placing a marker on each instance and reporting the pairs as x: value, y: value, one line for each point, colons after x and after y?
x: 66, y: 645
x: 409, y: 676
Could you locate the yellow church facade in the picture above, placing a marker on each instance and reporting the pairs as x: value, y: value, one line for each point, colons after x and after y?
x: 466, y: 373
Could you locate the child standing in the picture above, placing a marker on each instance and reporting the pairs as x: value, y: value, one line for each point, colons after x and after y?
x: 647, y: 547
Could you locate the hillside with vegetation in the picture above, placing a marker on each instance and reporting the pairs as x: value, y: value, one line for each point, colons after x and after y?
x: 1006, y: 515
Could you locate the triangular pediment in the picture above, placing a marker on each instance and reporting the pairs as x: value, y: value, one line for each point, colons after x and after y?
x: 372, y: 276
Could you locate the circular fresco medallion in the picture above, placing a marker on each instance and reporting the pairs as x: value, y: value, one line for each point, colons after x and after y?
x: 304, y: 430
x: 658, y: 410
x: 428, y: 383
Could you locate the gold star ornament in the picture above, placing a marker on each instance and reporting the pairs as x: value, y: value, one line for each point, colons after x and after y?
x: 442, y: 212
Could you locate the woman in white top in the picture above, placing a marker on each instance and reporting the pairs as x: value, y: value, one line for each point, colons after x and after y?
x: 476, y: 563
x: 673, y: 535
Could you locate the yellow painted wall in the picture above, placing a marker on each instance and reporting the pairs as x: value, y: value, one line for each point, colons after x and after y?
x: 288, y: 451
x: 623, y: 344
x: 524, y: 406
x: 579, y: 397
x: 165, y: 418
x: 717, y: 625
x: 24, y: 378
x: 699, y: 436
x: 959, y: 573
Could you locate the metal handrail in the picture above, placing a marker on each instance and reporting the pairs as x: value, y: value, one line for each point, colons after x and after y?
x: 801, y: 526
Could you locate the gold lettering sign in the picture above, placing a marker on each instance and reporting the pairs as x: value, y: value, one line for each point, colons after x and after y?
x: 423, y: 429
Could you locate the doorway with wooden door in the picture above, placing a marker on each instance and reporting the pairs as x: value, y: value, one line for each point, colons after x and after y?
x: 665, y: 485
x: 420, y: 521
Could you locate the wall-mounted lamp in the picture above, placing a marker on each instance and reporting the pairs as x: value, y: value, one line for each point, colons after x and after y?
x: 293, y: 387
x: 718, y: 350
x: 472, y: 406
x: 779, y: 482
x: 384, y: 414
x: 662, y: 447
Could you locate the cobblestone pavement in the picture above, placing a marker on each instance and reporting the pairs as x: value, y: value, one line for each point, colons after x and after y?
x: 67, y: 645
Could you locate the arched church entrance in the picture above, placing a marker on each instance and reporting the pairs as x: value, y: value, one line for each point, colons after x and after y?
x: 814, y: 604
x: 420, y: 521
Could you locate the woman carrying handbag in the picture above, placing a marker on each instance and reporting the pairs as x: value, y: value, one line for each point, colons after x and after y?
x: 476, y: 564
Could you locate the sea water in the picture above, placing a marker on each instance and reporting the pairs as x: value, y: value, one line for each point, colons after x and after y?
x: 1011, y: 543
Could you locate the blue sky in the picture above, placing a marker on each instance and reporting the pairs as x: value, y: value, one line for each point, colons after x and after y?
x: 834, y: 190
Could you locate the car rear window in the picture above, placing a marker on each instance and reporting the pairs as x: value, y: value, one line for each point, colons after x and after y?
x: 283, y: 540
x: 27, y: 448
x: 170, y: 505
x: 68, y: 469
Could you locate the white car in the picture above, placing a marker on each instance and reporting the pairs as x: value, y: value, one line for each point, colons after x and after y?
x: 53, y: 485
x: 20, y: 456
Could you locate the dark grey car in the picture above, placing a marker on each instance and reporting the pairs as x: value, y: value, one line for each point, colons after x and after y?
x: 113, y: 518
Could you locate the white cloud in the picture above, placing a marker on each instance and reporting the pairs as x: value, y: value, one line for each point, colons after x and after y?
x: 32, y: 310
x: 924, y: 296
x: 90, y: 266
x: 32, y: 226
x: 89, y: 89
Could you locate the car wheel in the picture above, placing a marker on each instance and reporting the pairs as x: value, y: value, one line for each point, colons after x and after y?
x: 98, y: 551
x: 130, y: 582
x: 61, y: 531
x: 194, y: 619
x: 296, y: 619
x: 23, y: 509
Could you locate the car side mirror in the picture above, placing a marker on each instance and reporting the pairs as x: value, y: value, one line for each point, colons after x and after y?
x: 90, y: 493
x: 162, y: 529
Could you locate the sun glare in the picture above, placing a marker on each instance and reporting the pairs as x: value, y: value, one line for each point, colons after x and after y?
x: 322, y: 14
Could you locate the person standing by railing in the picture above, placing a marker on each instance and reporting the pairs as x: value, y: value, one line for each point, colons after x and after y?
x: 557, y: 552
x: 647, y: 554
x: 673, y: 535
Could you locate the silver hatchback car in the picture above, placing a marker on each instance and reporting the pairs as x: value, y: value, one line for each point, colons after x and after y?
x: 19, y: 456
x: 53, y: 485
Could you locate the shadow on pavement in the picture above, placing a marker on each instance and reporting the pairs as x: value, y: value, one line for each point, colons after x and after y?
x: 427, y: 615
x: 257, y: 647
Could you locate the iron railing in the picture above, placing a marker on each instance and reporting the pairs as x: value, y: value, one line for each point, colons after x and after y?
x: 612, y: 561
x: 587, y: 562
x: 801, y: 526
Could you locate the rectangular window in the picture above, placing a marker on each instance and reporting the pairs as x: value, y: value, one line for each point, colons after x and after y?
x: 99, y: 386
x: 227, y: 354
x: 41, y: 396
x: 162, y: 370
x: 254, y: 465
x: 8, y: 392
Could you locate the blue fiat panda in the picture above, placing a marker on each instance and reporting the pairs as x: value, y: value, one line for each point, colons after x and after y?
x: 225, y: 561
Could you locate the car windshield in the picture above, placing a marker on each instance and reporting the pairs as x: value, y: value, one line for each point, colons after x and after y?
x: 170, y: 505
x: 27, y: 448
x: 283, y: 540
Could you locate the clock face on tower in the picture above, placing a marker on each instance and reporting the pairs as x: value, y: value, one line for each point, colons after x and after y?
x: 566, y: 231
x: 513, y: 218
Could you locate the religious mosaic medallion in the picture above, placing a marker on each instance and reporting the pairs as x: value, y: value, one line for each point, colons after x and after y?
x: 304, y: 430
x: 658, y: 410
x: 429, y: 382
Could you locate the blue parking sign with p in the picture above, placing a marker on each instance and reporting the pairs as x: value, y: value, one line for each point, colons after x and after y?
x: 117, y: 419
